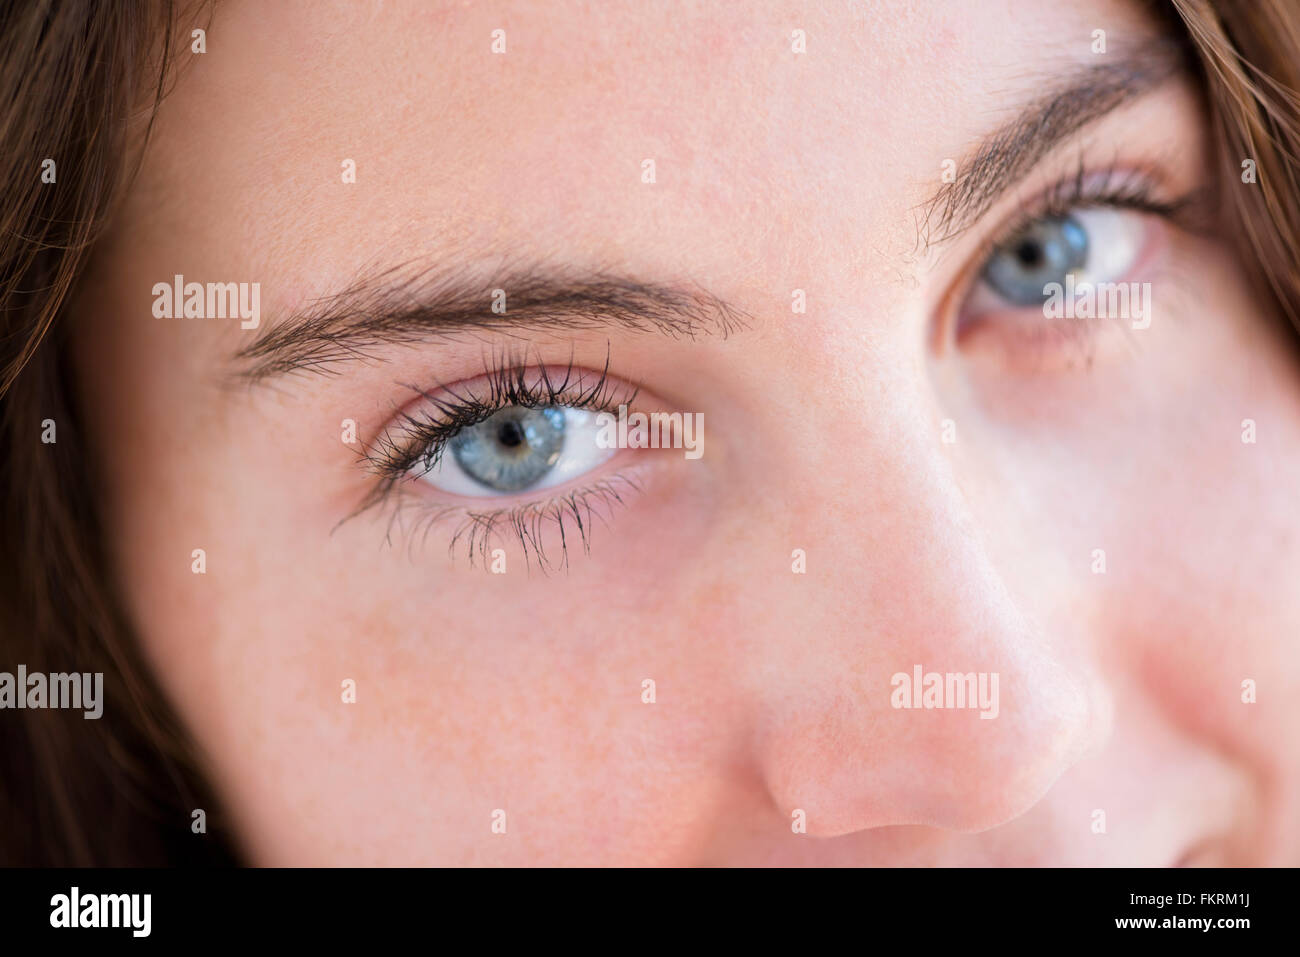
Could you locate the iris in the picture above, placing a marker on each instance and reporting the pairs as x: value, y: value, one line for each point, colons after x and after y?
x: 512, y: 449
x: 1046, y: 252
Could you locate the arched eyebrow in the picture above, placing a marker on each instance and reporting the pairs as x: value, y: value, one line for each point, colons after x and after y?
x: 1009, y: 153
x: 394, y: 309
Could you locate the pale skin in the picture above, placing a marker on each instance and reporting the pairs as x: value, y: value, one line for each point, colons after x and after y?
x: 949, y: 493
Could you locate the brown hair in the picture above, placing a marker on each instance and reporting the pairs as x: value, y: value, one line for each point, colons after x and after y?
x: 1249, y: 56
x: 120, y: 790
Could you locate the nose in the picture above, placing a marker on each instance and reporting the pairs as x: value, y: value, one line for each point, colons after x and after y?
x: 915, y: 691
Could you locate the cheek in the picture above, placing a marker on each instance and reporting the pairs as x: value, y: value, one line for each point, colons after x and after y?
x: 1149, y: 469
x: 1210, y: 523
x: 335, y: 678
x: 1213, y: 603
x: 1133, y: 513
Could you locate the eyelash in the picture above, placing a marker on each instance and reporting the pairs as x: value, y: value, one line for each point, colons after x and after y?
x: 507, y: 381
x: 1113, y: 187
x: 582, y: 506
x: 511, y: 381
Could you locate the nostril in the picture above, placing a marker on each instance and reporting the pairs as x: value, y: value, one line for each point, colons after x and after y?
x: 1209, y: 852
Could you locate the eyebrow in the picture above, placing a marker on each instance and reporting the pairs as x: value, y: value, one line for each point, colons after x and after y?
x: 394, y: 308
x: 1005, y: 156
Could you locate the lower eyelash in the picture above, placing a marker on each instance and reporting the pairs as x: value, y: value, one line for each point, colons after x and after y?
x: 1034, y: 345
x: 573, y: 514
x: 419, y: 440
x: 1037, y: 343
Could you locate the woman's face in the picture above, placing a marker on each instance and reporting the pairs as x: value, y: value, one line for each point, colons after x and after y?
x: 543, y: 650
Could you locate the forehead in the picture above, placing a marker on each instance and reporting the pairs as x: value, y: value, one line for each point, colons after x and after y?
x: 764, y: 159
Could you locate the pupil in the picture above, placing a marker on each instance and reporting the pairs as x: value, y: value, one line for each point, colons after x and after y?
x: 1030, y: 254
x: 510, y: 434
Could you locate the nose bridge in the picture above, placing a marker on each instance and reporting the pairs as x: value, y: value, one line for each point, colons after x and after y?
x: 923, y: 695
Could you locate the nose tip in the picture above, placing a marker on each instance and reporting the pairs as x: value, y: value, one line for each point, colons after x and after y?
x: 970, y: 774
x: 995, y: 709
x: 872, y: 760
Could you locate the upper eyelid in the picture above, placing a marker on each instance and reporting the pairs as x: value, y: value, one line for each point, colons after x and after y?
x: 386, y: 457
x: 1087, y: 186
x: 1136, y: 191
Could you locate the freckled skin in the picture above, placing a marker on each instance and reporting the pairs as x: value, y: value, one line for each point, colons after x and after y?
x: 522, y: 691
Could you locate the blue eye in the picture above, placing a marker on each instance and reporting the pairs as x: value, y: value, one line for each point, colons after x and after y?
x: 517, y: 449
x: 511, y: 450
x: 1052, y: 247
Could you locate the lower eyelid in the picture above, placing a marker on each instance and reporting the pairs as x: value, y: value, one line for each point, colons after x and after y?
x: 1028, y: 340
x: 1040, y: 345
x: 546, y: 528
